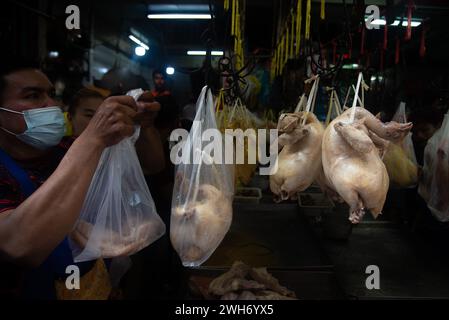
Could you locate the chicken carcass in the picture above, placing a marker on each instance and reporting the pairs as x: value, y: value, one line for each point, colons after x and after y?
x: 238, y: 270
x: 300, y: 158
x: 198, y: 227
x: 111, y: 244
x: 261, y: 275
x: 352, y: 159
x: 242, y: 282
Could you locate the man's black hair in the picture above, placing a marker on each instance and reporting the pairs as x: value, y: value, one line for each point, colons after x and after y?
x: 79, y: 96
x: 158, y: 71
x: 10, y: 64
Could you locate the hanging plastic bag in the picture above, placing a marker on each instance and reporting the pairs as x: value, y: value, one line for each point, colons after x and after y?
x: 400, y: 159
x: 433, y: 186
x: 426, y: 179
x: 360, y: 99
x: 202, y: 195
x: 240, y: 118
x: 234, y: 117
x: 118, y: 217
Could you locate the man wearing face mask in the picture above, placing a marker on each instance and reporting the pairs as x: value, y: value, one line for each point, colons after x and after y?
x: 42, y: 185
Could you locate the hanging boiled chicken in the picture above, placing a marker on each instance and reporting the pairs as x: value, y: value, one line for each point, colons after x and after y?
x: 352, y: 149
x: 299, y: 161
x: 300, y: 158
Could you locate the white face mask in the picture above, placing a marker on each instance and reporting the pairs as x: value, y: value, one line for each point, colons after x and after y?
x: 45, y: 127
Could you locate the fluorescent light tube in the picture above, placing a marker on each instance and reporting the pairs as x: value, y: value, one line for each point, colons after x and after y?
x: 382, y: 22
x: 179, y: 16
x: 203, y: 53
x: 140, y: 43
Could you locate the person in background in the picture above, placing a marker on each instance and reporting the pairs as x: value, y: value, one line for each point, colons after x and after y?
x: 168, y: 117
x: 40, y: 196
x: 425, y: 124
x: 426, y: 121
x: 160, y: 88
x: 167, y: 121
x: 82, y: 108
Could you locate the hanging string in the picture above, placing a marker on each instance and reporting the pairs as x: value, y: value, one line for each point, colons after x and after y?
x: 422, y: 42
x: 298, y: 26
x: 287, y: 45
x: 292, y: 37
x: 408, y: 32
x: 396, y: 53
x: 362, y: 40
x: 322, y: 11
x: 354, y: 102
x: 308, y: 18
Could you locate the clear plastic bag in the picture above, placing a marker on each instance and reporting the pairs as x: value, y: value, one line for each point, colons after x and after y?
x: 202, y: 195
x: 118, y: 217
x: 400, y: 158
x: 433, y: 186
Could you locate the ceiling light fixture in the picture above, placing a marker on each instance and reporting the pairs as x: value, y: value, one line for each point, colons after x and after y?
x: 203, y: 53
x: 170, y: 70
x: 140, y: 51
x: 139, y: 42
x: 382, y: 22
x: 179, y: 16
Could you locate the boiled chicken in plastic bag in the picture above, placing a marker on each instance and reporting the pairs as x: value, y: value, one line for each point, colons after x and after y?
x: 202, y: 196
x: 198, y: 227
x: 118, y: 217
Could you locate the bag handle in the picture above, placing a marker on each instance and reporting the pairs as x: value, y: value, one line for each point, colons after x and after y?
x: 312, y: 96
x: 334, y: 104
x: 361, y: 85
x: 219, y: 101
x: 402, y: 110
x: 356, y: 95
x: 301, y: 104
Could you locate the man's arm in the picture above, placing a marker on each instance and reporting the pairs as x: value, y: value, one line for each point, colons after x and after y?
x: 29, y: 233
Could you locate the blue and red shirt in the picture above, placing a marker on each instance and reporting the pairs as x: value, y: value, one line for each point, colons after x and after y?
x: 11, y: 197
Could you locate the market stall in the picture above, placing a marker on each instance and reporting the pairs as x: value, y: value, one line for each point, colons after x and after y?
x: 224, y: 150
